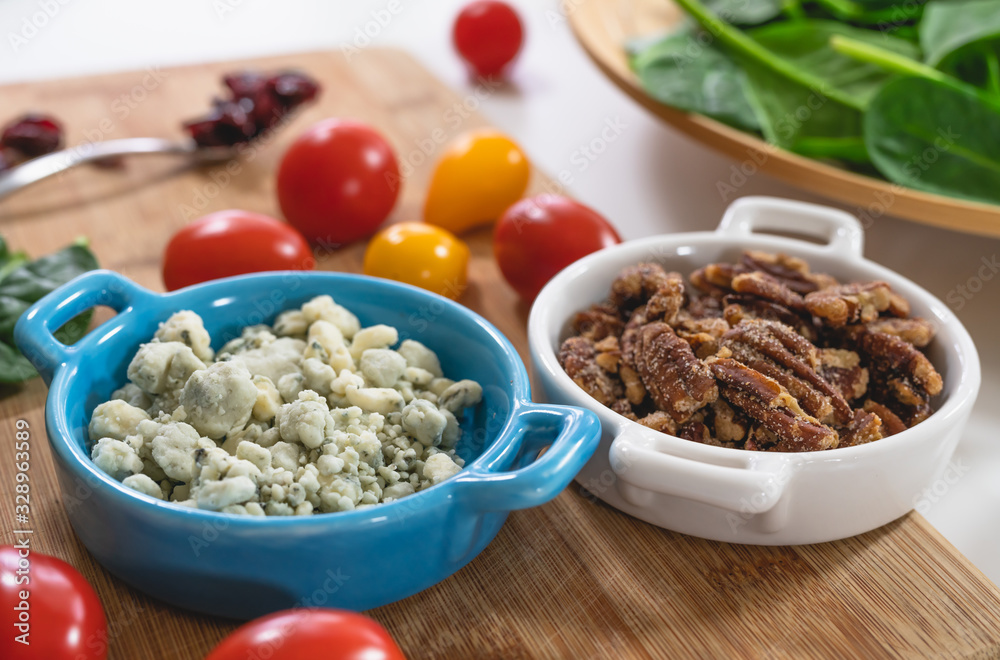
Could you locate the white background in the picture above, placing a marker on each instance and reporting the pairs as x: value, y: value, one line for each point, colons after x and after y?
x: 649, y: 180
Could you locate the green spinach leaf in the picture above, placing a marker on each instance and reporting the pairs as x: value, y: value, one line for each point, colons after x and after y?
x: 746, y: 12
x: 937, y: 137
x: 950, y: 27
x: 688, y: 72
x: 22, y: 283
x: 807, y: 45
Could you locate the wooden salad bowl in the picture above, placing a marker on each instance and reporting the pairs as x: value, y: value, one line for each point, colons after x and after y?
x: 604, y: 27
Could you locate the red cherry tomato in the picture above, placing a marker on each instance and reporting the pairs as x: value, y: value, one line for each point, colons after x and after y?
x: 232, y: 242
x: 487, y: 34
x: 49, y: 605
x: 309, y: 633
x: 539, y: 236
x: 338, y: 181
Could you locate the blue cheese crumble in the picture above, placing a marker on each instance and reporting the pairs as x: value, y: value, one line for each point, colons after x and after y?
x: 314, y: 414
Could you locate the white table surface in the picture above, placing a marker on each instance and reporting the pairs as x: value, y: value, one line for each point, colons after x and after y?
x: 649, y: 180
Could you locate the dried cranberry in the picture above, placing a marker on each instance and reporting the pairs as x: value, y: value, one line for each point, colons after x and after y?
x: 293, y: 89
x: 244, y: 84
x: 33, y: 135
x: 227, y: 124
x: 257, y: 102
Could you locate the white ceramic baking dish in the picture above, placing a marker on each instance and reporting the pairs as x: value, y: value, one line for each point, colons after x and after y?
x: 743, y: 496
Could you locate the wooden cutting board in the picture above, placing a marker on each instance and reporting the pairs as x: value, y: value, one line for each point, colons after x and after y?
x: 570, y: 579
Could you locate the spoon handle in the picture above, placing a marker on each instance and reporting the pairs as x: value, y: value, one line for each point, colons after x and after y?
x: 45, y: 166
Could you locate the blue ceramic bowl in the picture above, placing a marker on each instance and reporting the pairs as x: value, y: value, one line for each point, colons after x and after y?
x: 241, y: 567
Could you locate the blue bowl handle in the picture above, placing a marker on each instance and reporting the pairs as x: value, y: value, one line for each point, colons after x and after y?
x: 33, y: 332
x: 537, y: 483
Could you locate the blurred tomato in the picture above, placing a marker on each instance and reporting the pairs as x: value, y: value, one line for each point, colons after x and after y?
x: 49, y: 605
x: 338, y: 181
x: 309, y: 633
x: 539, y: 236
x: 488, y: 35
x: 232, y: 242
x: 480, y: 174
x: 422, y: 255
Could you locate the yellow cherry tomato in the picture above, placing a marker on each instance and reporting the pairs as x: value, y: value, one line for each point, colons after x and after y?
x: 480, y: 174
x: 420, y: 254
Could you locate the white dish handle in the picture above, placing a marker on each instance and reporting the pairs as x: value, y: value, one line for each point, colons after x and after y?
x: 843, y: 232
x: 643, y: 463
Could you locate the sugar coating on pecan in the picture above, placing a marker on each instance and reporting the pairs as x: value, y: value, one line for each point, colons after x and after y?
x: 762, y: 354
x: 677, y: 381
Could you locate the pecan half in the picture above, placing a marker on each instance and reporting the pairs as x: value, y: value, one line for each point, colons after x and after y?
x: 891, y: 423
x: 677, y: 381
x: 842, y: 369
x: 766, y: 401
x: 660, y: 421
x: 899, y: 365
x: 648, y: 284
x: 766, y: 287
x: 578, y: 359
x: 850, y: 303
x: 918, y: 331
x: 865, y: 427
x: 739, y: 307
x: 791, y: 271
x: 753, y: 339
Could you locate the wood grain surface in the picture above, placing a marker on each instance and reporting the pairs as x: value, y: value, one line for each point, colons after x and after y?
x: 571, y: 579
x: 604, y: 27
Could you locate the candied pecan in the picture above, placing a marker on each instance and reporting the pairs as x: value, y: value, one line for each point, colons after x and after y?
x: 702, y: 334
x: 782, y: 345
x: 635, y: 391
x: 918, y: 331
x: 739, y: 307
x: 849, y: 303
x: 577, y: 357
x: 891, y: 423
x: 648, y: 284
x: 677, y: 381
x: 865, y: 427
x: 702, y: 307
x: 719, y: 275
x: 760, y: 439
x: 730, y: 425
x: 898, y: 305
x: 842, y: 369
x: 609, y: 354
x: 768, y: 402
x: 600, y: 321
x: 660, y: 421
x: 791, y: 271
x: 624, y: 408
x: 696, y: 432
x: 766, y: 287
x: 703, y: 344
x: 902, y: 367
x: 699, y: 280
x: 810, y: 399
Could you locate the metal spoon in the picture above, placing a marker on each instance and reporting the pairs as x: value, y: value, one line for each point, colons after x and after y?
x: 45, y: 166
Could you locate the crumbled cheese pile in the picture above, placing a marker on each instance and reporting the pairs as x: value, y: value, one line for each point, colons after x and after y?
x: 315, y: 414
